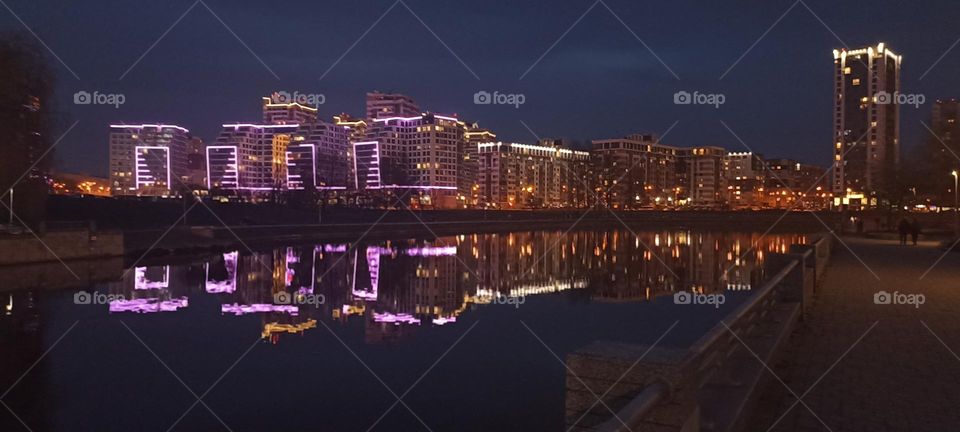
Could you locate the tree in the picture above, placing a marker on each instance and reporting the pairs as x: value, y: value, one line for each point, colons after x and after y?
x: 26, y: 89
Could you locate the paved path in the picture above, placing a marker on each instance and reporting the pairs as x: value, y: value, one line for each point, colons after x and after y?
x: 899, y: 377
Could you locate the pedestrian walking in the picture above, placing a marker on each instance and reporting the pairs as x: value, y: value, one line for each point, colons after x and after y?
x: 903, y: 227
x: 914, y: 230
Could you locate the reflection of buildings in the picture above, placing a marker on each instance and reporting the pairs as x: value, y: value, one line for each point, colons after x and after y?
x: 395, y: 287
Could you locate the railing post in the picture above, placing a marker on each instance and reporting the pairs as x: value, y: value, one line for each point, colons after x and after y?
x: 797, y: 285
x: 623, y: 371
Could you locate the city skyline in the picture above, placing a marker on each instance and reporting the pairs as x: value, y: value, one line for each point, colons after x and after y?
x: 598, y: 62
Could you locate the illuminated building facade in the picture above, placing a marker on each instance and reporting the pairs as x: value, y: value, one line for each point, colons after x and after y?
x: 941, y: 145
x: 469, y: 169
x: 256, y: 154
x: 744, y: 173
x: 866, y: 139
x: 789, y: 180
x: 421, y: 154
x: 523, y: 176
x: 279, y: 112
x: 635, y: 171
x: 357, y: 132
x: 148, y: 159
x: 700, y: 176
x: 390, y: 105
x: 331, y: 154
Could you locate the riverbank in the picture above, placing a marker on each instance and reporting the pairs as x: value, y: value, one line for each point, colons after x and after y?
x: 136, y: 228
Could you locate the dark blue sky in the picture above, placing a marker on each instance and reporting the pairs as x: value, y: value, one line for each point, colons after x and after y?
x: 597, y: 82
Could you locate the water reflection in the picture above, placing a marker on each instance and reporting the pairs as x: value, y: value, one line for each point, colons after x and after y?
x: 398, y: 286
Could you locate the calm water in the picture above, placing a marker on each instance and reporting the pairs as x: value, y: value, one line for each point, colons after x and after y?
x: 326, y: 337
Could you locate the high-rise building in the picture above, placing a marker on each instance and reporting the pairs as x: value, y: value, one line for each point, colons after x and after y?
x: 418, y: 153
x: 635, y: 171
x: 329, y: 147
x: 358, y: 133
x: 250, y: 157
x: 196, y: 163
x: 744, y: 176
x: 468, y: 171
x: 700, y: 176
x: 148, y: 159
x: 516, y: 176
x: 942, y: 146
x: 866, y: 139
x: 381, y: 105
x: 277, y: 110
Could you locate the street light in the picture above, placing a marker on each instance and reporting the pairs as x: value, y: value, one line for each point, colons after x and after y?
x: 956, y: 202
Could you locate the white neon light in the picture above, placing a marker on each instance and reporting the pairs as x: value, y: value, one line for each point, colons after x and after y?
x: 141, y: 126
x: 136, y: 168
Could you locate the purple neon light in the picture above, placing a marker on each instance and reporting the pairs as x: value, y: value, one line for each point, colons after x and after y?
x: 140, y: 281
x: 140, y: 157
x: 373, y: 264
x: 395, y: 319
x: 230, y: 284
x: 444, y: 320
x: 148, y: 305
x: 329, y: 248
x: 238, y: 309
x: 142, y: 126
x: 432, y: 251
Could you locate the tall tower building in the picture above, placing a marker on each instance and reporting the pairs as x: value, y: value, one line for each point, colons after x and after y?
x: 866, y: 139
x: 941, y: 146
x: 380, y: 105
x: 148, y: 159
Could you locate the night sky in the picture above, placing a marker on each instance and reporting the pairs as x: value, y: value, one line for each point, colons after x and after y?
x: 599, y: 81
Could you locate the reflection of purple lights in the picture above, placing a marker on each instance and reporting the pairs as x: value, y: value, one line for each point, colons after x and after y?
x: 431, y: 251
x: 148, y: 305
x: 443, y: 320
x: 140, y: 281
x: 239, y: 309
x: 396, y: 319
x: 335, y: 248
x: 373, y: 265
x: 230, y: 284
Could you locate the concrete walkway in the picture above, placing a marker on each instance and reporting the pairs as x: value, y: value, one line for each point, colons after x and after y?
x: 900, y: 376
